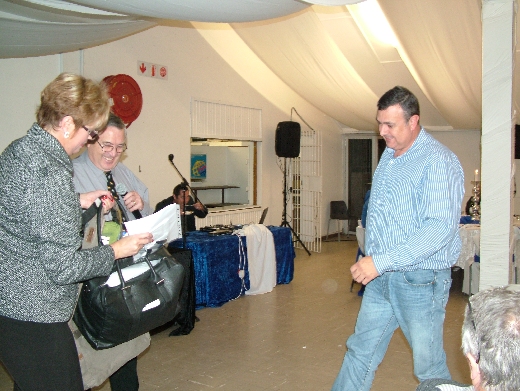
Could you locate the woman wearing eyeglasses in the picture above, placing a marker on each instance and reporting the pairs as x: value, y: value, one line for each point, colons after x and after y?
x: 41, y: 261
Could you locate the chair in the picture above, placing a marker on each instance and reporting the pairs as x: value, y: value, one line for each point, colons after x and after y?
x: 339, y: 212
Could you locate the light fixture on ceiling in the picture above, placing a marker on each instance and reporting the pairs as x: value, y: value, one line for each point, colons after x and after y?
x: 369, y: 15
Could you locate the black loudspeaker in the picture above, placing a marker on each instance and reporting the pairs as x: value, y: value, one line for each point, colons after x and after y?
x: 287, y: 141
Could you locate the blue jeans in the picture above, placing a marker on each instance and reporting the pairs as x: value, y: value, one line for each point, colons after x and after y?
x: 414, y: 301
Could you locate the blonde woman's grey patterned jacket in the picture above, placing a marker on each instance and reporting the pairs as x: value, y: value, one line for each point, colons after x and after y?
x: 40, y: 222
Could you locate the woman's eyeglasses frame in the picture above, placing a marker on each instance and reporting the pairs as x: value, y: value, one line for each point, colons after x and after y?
x: 93, y: 133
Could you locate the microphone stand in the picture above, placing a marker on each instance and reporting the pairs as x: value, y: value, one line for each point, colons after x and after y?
x: 196, y: 199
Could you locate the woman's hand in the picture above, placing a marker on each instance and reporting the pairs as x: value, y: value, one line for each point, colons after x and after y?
x: 131, y: 244
x: 108, y: 203
x: 87, y: 199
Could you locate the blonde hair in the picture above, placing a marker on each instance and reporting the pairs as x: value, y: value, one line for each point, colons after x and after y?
x: 69, y: 94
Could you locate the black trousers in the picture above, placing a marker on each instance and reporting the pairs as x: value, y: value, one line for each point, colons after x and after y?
x: 40, y: 356
x: 125, y: 378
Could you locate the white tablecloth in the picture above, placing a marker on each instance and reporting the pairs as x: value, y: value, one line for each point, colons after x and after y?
x: 470, y: 236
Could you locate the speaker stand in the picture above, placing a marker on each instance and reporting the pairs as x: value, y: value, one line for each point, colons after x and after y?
x: 285, y: 223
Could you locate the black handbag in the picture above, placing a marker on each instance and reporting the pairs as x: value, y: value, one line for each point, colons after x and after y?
x: 110, y: 315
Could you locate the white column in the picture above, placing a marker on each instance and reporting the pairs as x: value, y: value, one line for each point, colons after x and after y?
x: 497, y: 141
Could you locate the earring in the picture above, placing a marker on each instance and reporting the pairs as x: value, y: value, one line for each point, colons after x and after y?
x: 66, y: 134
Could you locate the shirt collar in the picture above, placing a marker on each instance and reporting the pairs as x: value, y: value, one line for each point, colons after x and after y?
x: 417, y: 143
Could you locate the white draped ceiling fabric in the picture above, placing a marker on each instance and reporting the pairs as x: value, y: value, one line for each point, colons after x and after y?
x: 321, y: 49
x: 324, y: 51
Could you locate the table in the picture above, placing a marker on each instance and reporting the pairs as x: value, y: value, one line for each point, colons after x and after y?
x: 469, y: 258
x: 216, y: 261
x: 470, y: 237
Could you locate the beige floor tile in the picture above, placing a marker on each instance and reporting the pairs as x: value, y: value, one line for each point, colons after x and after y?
x: 290, y: 339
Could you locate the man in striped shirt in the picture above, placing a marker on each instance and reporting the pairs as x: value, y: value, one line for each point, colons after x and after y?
x: 411, y: 242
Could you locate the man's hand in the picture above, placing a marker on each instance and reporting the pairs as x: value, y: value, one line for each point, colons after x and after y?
x: 133, y: 201
x: 198, y: 206
x: 364, y: 270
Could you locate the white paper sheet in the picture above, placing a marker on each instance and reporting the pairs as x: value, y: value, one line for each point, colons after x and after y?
x: 129, y: 272
x: 165, y: 225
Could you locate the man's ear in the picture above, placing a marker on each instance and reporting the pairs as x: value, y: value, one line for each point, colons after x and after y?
x: 474, y: 370
x: 413, y: 121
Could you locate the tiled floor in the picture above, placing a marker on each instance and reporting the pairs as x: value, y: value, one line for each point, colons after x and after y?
x: 290, y: 339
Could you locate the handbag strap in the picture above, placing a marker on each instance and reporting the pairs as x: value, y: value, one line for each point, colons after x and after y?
x: 89, y: 213
x: 89, y: 226
x: 126, y: 289
x: 153, y: 273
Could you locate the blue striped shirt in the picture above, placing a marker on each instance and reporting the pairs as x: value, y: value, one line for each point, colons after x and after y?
x: 414, y: 208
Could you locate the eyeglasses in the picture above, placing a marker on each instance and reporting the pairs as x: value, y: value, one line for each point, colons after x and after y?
x: 93, y: 133
x: 107, y: 147
x: 470, y: 313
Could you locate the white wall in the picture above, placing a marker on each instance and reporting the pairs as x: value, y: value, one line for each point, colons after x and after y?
x: 163, y: 127
x: 332, y: 166
x: 237, y: 175
x: 21, y: 82
x: 225, y: 165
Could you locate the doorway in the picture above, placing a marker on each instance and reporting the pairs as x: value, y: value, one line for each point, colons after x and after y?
x: 362, y: 154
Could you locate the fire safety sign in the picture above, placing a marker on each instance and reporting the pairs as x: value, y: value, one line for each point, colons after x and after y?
x: 152, y: 70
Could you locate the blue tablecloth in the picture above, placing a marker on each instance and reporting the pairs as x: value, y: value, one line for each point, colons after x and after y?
x: 216, y: 261
x: 465, y: 219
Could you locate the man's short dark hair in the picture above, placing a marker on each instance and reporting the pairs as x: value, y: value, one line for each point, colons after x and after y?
x: 400, y: 96
x: 177, y: 189
x: 115, y: 121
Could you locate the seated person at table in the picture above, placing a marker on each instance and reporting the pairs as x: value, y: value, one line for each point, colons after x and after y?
x: 182, y: 197
x: 490, y: 342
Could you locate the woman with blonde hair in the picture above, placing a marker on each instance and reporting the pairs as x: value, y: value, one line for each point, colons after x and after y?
x: 41, y: 260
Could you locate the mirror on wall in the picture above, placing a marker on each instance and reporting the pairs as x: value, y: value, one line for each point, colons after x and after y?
x: 223, y: 172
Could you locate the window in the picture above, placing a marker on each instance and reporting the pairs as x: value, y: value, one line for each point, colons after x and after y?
x: 231, y: 172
